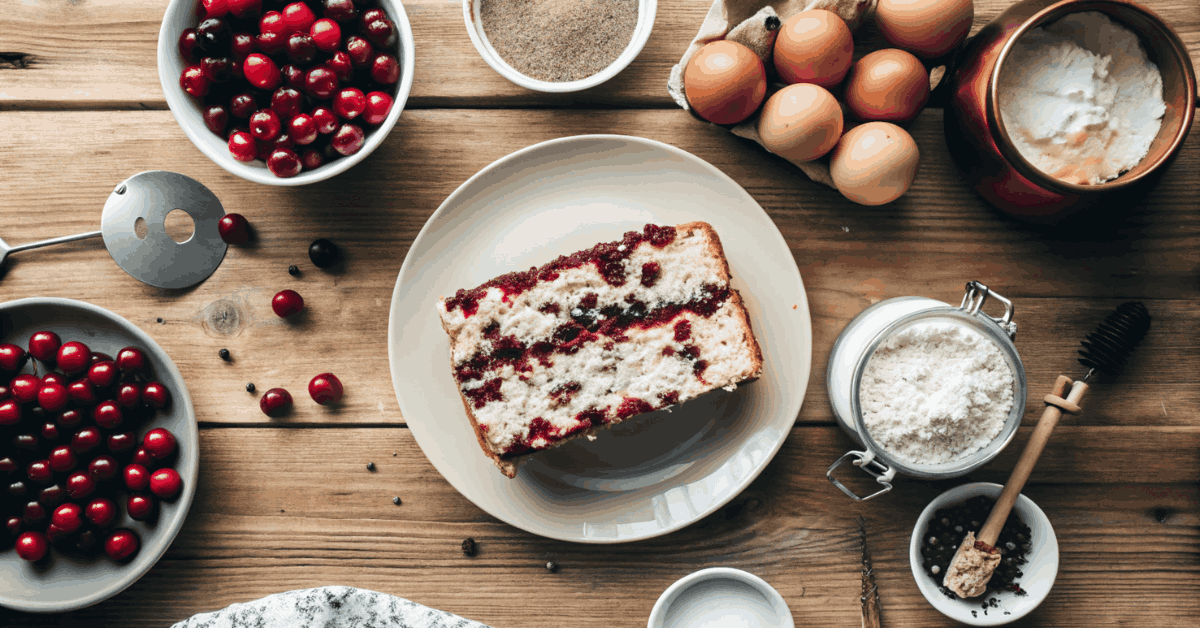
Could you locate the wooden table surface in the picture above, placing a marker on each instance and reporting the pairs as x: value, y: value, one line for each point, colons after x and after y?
x: 286, y: 504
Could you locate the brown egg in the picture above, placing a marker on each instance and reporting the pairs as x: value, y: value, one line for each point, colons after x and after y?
x: 874, y: 163
x: 813, y: 47
x: 889, y: 85
x: 725, y: 82
x: 926, y: 28
x: 800, y: 122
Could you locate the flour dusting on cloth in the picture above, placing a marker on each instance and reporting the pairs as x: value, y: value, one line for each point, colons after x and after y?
x: 935, y: 393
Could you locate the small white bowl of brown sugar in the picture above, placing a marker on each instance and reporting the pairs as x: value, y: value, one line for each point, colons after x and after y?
x: 559, y: 45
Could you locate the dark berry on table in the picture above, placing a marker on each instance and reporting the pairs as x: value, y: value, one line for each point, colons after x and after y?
x: 320, y: 82
x: 385, y: 69
x: 52, y: 495
x: 250, y: 387
x: 284, y: 163
x: 370, y: 466
x: 217, y: 69
x: 396, y: 500
x: 349, y: 103
x: 234, y: 228
x: 379, y: 105
x: 187, y: 46
x: 139, y: 507
x: 54, y: 378
x: 286, y: 103
x: 101, y: 512
x: 12, y: 357
x: 165, y: 484
x: 85, y: 440
x: 103, y: 468
x: 381, y: 33
x: 136, y: 477
x: 39, y: 471
x: 287, y: 303
x: 243, y: 146
x: 44, y: 346
x: 552, y: 566
x: 360, y: 50
x: 10, y: 413
x: 80, y: 485
x: 213, y: 37
x: 243, y: 44
x: 265, y: 125
x: 68, y: 517
x: 293, y: 76
x: 326, y: 121
x: 302, y: 129
x: 215, y: 8
x: 50, y: 432
x: 215, y: 118
x: 156, y: 395
x: 325, y: 389
x: 68, y: 419
x: 298, y: 18
x: 272, y: 22
x: 242, y: 105
x: 301, y: 48
x: 121, y: 442
x: 271, y: 43
x: 82, y: 393
x: 323, y: 253
x: 326, y: 34
x: 193, y: 81
x: 311, y: 159
x: 245, y: 9
x: 121, y: 545
x: 159, y: 442
x: 103, y: 374
x: 348, y: 139
x: 223, y: 354
x: 469, y: 548
x: 261, y: 71
x: 341, y: 65
x: 275, y: 402
x: 62, y: 459
x: 53, y: 397
x: 108, y: 414
x: 342, y: 11
x: 74, y: 357
x: 32, y: 546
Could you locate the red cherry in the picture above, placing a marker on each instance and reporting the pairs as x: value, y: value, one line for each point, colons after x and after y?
x: 360, y: 50
x: 286, y: 103
x: 108, y: 414
x: 156, y: 395
x: 325, y: 389
x: 215, y: 118
x: 340, y: 10
x: 301, y: 48
x: 348, y: 139
x: 187, y: 45
x: 142, y: 458
x: 264, y: 125
x: 12, y: 357
x: 298, y: 17
x: 242, y: 146
x: 261, y: 71
x: 275, y: 401
x: 286, y: 303
x: 140, y: 507
x: 32, y: 546
x: 62, y: 459
x: 326, y: 121
x: 82, y: 392
x: 85, y: 440
x: 68, y: 419
x: 131, y: 360
x: 349, y: 103
x: 121, y: 545
x: 341, y: 65
x: 312, y: 159
x: 269, y: 43
x: 121, y: 442
x: 80, y: 485
x: 101, y: 512
x: 103, y: 468
x: 165, y: 484
x: 215, y: 8
x: 242, y: 105
x: 272, y: 22
x: 44, y: 345
x: 103, y: 374
x: 234, y: 229
x: 68, y: 518
x: 137, y: 477
x: 326, y: 34
x: 284, y: 163
x: 302, y: 129
x: 245, y: 9
x: 385, y: 69
x: 39, y: 471
x: 381, y: 33
x: 243, y: 45
x: 159, y: 442
x: 74, y: 357
x: 379, y: 105
x: 193, y: 81
x: 10, y: 413
x: 320, y: 82
x: 53, y: 397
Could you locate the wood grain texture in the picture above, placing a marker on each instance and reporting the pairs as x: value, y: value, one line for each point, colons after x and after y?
x: 101, y: 54
x: 929, y: 243
x: 284, y: 509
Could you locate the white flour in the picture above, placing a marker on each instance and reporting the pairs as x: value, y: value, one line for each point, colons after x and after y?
x: 1080, y: 98
x: 935, y: 393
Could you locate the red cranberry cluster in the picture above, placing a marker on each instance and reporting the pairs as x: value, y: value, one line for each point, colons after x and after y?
x: 297, y: 89
x: 324, y: 389
x: 69, y: 451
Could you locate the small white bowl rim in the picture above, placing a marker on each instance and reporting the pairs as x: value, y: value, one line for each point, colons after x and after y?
x: 176, y: 98
x: 647, y: 10
x: 1025, y: 507
x: 658, y: 613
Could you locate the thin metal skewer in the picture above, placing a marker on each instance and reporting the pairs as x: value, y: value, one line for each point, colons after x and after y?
x: 5, y: 249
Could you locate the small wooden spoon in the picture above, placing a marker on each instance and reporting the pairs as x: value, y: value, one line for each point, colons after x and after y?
x: 977, y: 557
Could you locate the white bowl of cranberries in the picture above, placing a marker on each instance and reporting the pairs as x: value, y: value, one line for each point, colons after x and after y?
x: 98, y: 454
x: 286, y: 92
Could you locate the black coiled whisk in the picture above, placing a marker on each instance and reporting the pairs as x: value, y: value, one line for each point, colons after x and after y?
x: 1107, y: 348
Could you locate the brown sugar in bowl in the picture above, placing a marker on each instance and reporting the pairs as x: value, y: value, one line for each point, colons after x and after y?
x: 980, y: 144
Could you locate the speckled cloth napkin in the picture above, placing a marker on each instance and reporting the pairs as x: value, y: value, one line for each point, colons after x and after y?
x: 329, y: 607
x: 751, y: 23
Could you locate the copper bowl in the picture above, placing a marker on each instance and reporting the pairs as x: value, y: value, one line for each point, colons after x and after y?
x: 981, y: 147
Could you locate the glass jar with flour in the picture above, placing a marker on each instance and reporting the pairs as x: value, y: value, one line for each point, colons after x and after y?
x: 929, y: 390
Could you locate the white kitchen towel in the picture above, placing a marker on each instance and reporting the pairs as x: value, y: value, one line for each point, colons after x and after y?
x: 329, y: 607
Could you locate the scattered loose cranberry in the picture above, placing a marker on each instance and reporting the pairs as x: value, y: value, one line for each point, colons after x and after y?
x: 108, y: 414
x: 131, y: 360
x: 140, y: 507
x: 62, y: 459
x: 302, y: 129
x: 32, y: 546
x: 216, y: 117
x: 82, y: 393
x: 284, y: 163
x: 287, y: 303
x: 44, y: 345
x: 242, y: 105
x: 156, y: 395
x: 242, y: 146
x: 261, y: 71
x: 103, y: 468
x: 348, y: 139
x: 385, y: 69
x: 311, y: 159
x: 275, y: 401
x: 165, y: 484
x: 121, y: 545
x: 68, y: 518
x: 325, y: 389
x: 12, y: 357
x: 160, y: 443
x: 74, y: 357
x: 85, y: 440
x: 101, y: 512
x: 103, y: 374
x: 379, y: 105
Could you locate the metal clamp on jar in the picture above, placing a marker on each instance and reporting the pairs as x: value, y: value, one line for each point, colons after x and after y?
x: 870, y: 329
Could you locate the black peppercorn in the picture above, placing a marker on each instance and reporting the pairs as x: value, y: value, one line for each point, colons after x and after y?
x: 224, y: 353
x: 370, y: 466
x: 250, y: 387
x: 158, y: 319
x: 323, y: 253
x: 293, y: 270
x: 468, y: 547
x: 396, y: 500
x: 552, y: 566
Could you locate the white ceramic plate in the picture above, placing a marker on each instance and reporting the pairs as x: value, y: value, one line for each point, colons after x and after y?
x: 642, y: 478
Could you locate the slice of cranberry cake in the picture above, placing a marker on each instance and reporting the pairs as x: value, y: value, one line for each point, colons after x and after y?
x: 588, y: 340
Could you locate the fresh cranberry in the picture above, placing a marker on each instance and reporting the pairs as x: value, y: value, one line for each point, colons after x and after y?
x: 264, y: 125
x: 101, y: 512
x: 242, y: 105
x: 283, y: 142
x: 215, y: 118
x: 131, y: 360
x: 121, y: 442
x: 108, y: 414
x: 103, y: 468
x: 12, y: 357
x: 312, y: 159
x: 349, y: 103
x: 85, y: 440
x: 52, y: 496
x: 32, y: 546
x: 156, y: 395
x: 301, y: 48
x: 287, y: 303
x: 242, y: 146
x: 341, y: 65
x: 54, y: 378
x: 25, y: 388
x: 99, y: 357
x: 234, y: 228
x: 40, y: 471
x: 326, y: 121
x: 68, y: 419
x: 360, y: 50
x: 10, y: 413
x: 370, y: 15
x: 187, y: 46
x: 320, y: 82
x: 25, y: 442
x: 275, y: 402
x: 245, y: 9
x: 271, y: 43
x: 341, y: 10
x: 385, y: 69
x: 53, y: 397
x: 121, y: 545
x: 326, y: 34
x: 5, y: 392
x: 272, y: 22
x: 143, y: 458
x: 325, y: 389
x: 80, y: 485
x: 137, y: 477
x: 217, y: 69
x: 286, y: 103
x: 243, y: 44
x: 159, y: 442
x: 381, y: 33
x: 13, y: 525
x: 68, y: 517
x: 8, y: 466
x: 62, y: 459
x: 379, y: 105
x: 140, y: 507
x: 261, y: 71
x: 74, y: 357
x: 298, y: 17
x: 284, y: 163
x: 103, y: 374
x: 44, y: 345
x: 165, y: 484
x: 348, y: 139
x: 82, y: 392
x: 293, y: 76
x: 215, y: 8
x: 50, y: 432
x: 213, y: 37
x: 17, y: 489
x: 33, y: 513
x: 302, y: 129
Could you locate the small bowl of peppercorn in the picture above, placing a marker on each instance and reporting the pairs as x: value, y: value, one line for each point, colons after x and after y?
x: 1027, y: 543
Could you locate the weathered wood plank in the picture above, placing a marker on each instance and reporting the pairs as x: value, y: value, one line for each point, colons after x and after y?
x: 102, y: 54
x: 284, y: 509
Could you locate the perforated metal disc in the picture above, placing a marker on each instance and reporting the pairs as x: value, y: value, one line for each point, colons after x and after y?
x: 157, y: 259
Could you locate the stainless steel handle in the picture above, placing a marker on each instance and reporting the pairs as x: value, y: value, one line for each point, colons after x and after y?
x: 866, y: 461
x: 53, y: 241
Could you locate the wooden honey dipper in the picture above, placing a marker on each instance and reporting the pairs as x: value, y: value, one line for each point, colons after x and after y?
x: 1105, y: 350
